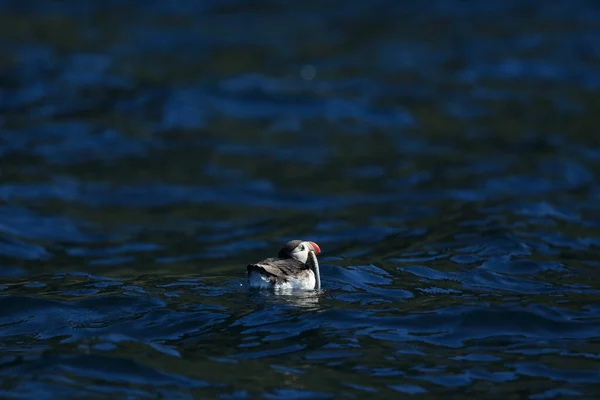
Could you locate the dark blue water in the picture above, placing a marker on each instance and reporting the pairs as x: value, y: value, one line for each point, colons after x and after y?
x: 443, y: 154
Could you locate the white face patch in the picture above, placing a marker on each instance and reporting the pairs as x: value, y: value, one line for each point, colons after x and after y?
x: 300, y: 253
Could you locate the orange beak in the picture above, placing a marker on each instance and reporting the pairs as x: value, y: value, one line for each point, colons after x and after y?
x: 315, y: 247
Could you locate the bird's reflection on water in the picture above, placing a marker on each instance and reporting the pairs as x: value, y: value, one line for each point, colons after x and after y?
x: 310, y: 300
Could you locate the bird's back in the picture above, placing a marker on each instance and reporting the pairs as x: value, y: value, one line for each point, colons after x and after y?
x: 280, y: 272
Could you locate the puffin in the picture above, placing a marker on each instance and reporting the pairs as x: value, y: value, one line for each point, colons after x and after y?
x: 296, y: 267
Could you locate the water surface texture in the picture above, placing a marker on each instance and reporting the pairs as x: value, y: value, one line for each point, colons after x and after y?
x: 443, y: 154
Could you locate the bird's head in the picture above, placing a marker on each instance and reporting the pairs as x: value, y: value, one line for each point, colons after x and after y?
x: 299, y: 250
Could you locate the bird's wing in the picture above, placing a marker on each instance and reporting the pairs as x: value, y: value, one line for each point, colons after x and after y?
x: 280, y: 268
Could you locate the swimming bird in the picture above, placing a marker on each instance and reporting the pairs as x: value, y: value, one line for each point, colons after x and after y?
x: 295, y: 268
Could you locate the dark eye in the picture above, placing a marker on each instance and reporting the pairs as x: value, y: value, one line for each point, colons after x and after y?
x: 301, y: 247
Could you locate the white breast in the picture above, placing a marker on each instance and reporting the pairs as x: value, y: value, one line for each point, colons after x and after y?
x: 257, y: 280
